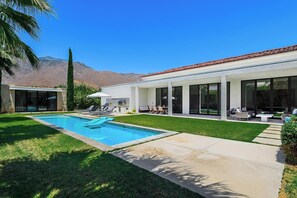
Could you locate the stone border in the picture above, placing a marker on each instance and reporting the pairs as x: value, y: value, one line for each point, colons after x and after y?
x: 101, y: 146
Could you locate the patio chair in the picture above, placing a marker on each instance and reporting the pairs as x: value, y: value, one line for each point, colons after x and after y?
x: 90, y: 108
x: 108, y: 111
x: 155, y: 110
x: 161, y: 110
x: 287, y: 117
x: 243, y: 115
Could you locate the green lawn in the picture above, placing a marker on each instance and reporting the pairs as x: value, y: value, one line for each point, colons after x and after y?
x: 289, y: 183
x: 221, y: 129
x: 37, y: 161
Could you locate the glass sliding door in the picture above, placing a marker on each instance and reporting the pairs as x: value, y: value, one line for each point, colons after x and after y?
x: 293, y: 93
x: 177, y: 99
x: 263, y: 96
x: 194, y: 99
x: 203, y: 99
x: 20, y: 101
x: 52, y: 101
x: 42, y: 101
x: 248, y: 95
x: 213, y: 99
x: 177, y: 95
x: 273, y: 96
x: 31, y: 101
x: 161, y: 96
x: 280, y: 95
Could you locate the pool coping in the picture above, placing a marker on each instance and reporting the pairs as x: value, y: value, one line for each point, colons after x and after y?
x: 104, y: 147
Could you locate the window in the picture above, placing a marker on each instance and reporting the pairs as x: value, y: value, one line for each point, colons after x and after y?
x: 20, y: 101
x: 274, y: 95
x: 293, y: 93
x: 177, y: 99
x: 32, y: 101
x: 280, y: 95
x: 194, y: 99
x: 206, y: 99
x: 247, y: 95
x: 162, y: 98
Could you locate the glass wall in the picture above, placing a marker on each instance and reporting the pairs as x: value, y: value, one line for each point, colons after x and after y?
x: 205, y: 99
x: 263, y: 96
x: 274, y: 95
x: 30, y: 101
x: 248, y: 95
x: 280, y: 96
x: 177, y: 95
x: 293, y: 93
x: 20, y: 101
x: 213, y: 95
x: 194, y: 99
x: 177, y: 99
x: 161, y: 97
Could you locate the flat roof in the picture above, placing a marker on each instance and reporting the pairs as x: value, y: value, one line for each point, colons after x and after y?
x: 24, y: 88
x: 228, y: 60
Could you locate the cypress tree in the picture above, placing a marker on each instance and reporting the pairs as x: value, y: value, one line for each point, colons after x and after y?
x: 70, y: 84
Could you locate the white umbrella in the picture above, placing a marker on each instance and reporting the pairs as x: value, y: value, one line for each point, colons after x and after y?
x: 98, y: 95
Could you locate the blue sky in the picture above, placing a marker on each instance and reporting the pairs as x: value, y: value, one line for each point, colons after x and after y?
x: 144, y: 36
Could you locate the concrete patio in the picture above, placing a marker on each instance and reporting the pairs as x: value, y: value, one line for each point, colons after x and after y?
x: 212, y: 167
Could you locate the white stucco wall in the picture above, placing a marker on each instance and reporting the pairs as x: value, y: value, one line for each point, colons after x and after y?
x: 143, y: 97
x: 152, y: 97
x: 121, y: 91
x: 186, y: 99
x: 235, y: 93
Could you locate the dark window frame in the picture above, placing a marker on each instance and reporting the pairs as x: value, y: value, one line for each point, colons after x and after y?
x: 271, y: 92
x: 37, y: 94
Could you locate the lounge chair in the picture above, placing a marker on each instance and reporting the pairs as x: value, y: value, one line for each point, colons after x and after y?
x: 87, y: 109
x: 108, y: 111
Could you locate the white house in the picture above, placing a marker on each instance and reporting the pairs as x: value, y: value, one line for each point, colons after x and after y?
x: 262, y: 82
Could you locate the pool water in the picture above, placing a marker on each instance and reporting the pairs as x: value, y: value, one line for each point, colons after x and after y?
x: 109, y: 134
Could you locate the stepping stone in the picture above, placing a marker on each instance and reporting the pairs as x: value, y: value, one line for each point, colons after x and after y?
x: 267, y: 141
x: 272, y: 132
x: 267, y: 135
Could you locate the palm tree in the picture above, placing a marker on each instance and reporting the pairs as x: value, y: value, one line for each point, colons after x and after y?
x: 18, y: 16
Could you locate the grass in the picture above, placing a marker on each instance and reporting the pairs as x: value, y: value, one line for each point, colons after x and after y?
x: 289, y: 182
x: 222, y: 129
x: 37, y: 161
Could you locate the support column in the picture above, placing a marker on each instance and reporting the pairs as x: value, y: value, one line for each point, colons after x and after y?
x: 169, y: 98
x: 137, y: 99
x: 223, y: 97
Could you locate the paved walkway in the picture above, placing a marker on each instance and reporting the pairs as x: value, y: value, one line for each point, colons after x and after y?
x: 270, y: 136
x: 212, y: 167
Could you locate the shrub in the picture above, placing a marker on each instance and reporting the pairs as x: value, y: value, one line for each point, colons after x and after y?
x: 289, y: 139
x: 81, y: 91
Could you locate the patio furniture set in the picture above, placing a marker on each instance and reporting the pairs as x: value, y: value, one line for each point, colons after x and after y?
x: 154, y: 109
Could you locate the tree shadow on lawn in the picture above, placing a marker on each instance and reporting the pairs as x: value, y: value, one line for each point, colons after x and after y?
x: 180, y: 174
x: 12, y: 134
x: 6, y: 119
x: 80, y: 174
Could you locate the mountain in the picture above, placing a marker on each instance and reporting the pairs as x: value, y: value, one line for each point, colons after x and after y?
x: 53, y: 72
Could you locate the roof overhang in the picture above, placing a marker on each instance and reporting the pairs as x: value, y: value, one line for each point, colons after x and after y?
x: 23, y: 88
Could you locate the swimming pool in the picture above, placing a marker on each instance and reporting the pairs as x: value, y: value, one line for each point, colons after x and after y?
x: 109, y: 134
